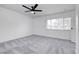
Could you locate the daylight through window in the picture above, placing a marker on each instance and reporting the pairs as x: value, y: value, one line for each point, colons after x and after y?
x: 59, y: 24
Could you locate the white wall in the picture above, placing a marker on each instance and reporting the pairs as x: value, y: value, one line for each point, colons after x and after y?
x: 77, y: 29
x: 39, y: 26
x: 13, y: 25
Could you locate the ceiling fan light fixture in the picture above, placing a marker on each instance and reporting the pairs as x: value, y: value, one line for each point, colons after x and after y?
x: 32, y: 12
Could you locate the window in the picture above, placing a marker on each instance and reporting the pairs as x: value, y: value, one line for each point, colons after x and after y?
x: 59, y: 24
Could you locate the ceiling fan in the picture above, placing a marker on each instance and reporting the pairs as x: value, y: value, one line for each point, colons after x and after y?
x: 32, y: 9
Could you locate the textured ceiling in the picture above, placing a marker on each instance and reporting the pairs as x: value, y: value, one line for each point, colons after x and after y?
x: 47, y: 8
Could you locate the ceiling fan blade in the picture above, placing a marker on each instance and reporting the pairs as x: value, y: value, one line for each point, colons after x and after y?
x: 38, y: 10
x: 26, y: 7
x: 35, y: 6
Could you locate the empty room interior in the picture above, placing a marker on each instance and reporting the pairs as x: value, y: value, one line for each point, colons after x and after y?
x: 37, y: 29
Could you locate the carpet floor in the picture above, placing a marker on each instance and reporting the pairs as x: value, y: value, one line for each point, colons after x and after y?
x: 35, y: 44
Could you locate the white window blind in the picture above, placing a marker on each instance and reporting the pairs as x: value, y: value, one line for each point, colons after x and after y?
x: 59, y: 24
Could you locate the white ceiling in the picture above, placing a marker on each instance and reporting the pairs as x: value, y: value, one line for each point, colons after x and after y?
x: 47, y: 8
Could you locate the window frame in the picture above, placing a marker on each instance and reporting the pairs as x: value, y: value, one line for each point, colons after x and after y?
x: 49, y: 26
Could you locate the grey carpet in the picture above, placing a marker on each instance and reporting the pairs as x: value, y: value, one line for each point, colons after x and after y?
x: 36, y: 44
